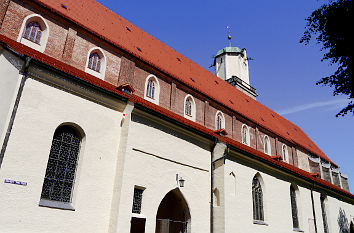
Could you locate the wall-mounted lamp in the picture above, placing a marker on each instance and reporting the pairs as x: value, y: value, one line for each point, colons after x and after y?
x: 180, y: 181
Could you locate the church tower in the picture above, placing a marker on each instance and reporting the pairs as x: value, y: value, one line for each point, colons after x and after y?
x: 231, y: 65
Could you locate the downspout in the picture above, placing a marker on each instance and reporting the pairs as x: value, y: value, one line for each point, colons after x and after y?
x: 24, y: 71
x: 313, y: 207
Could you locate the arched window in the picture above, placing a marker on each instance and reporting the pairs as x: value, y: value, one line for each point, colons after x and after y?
x: 266, y: 142
x: 294, y: 210
x: 152, y: 89
x: 189, y: 108
x: 33, y: 32
x: 245, y: 135
x: 61, y: 167
x: 257, y: 196
x: 285, y: 153
x: 219, y: 120
x: 94, y: 62
x: 324, y: 213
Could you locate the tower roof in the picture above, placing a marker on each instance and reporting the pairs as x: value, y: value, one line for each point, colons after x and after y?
x: 229, y: 50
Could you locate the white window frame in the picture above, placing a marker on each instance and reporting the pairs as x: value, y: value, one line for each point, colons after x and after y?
x: 103, y: 60
x: 192, y: 117
x: 156, y: 98
x: 44, y: 36
x: 248, y: 139
x: 267, y: 140
x: 219, y: 113
x: 286, y: 154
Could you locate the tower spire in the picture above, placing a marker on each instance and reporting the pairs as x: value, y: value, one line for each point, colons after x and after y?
x: 229, y: 34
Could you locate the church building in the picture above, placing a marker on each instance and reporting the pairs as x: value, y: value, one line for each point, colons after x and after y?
x: 105, y: 129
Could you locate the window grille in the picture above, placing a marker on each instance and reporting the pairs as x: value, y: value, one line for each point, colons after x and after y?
x: 94, y: 62
x: 188, y: 107
x: 137, y: 199
x: 294, y: 207
x: 150, y: 91
x: 324, y: 215
x: 33, y: 32
x: 244, y: 135
x: 257, y: 196
x: 219, y: 122
x: 62, y: 162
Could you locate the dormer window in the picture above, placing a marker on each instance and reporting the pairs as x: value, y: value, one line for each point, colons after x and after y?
x: 152, y: 89
x: 94, y: 62
x: 33, y: 32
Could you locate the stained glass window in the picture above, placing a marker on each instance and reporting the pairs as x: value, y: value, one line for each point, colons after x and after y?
x: 188, y: 107
x: 62, y: 162
x: 324, y: 215
x: 33, y: 32
x: 219, y: 120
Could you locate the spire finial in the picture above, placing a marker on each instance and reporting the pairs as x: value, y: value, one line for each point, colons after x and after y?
x: 229, y: 34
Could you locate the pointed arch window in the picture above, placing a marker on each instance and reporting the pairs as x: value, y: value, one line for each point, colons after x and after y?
x: 294, y: 209
x: 219, y: 120
x: 150, y: 91
x: 188, y: 107
x: 245, y: 135
x: 266, y: 145
x: 324, y: 213
x: 94, y: 62
x: 257, y: 196
x: 285, y: 153
x: 33, y: 32
x: 61, y: 167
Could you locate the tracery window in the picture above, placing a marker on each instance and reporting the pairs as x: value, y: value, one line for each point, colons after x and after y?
x: 266, y: 145
x: 324, y: 214
x: 33, y: 32
x: 257, y: 196
x: 150, y: 90
x: 61, y: 167
x: 94, y: 62
x: 294, y: 211
x: 245, y: 135
x: 219, y: 120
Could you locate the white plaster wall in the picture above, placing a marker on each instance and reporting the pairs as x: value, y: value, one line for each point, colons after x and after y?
x: 235, y: 67
x: 158, y: 175
x: 220, y: 67
x: 333, y: 206
x: 238, y: 204
x: 42, y: 109
x: 9, y: 81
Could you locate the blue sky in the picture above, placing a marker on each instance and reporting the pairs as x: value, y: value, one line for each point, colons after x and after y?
x: 283, y: 71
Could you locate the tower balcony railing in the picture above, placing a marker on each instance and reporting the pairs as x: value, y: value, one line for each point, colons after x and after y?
x: 237, y: 82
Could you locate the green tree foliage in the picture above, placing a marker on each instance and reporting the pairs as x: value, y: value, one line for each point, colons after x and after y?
x: 332, y: 25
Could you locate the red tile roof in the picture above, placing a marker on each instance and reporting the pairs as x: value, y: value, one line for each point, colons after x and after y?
x: 79, y: 74
x: 118, y: 31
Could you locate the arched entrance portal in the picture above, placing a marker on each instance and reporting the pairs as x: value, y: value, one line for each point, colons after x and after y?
x: 173, y: 214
